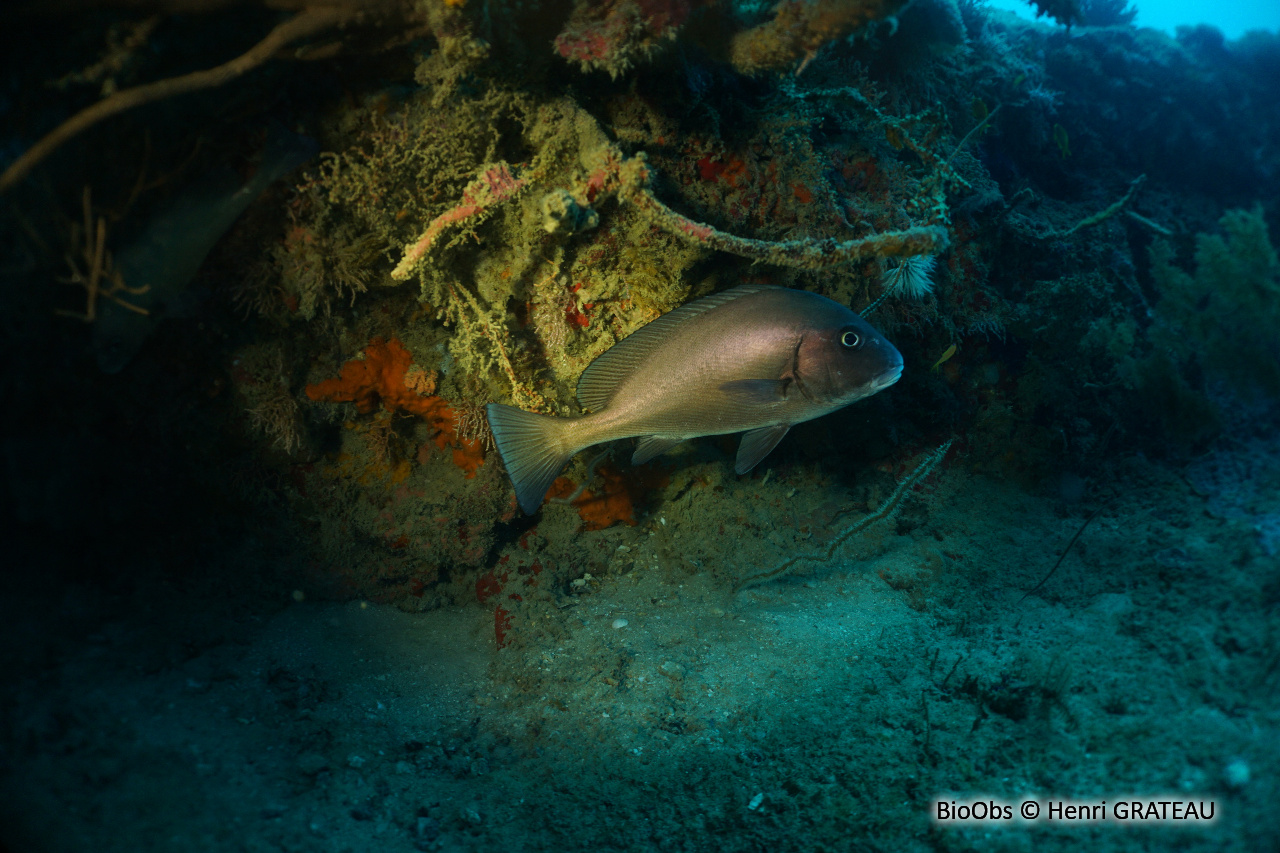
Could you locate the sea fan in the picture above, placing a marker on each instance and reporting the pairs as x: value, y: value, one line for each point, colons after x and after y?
x: 911, y: 278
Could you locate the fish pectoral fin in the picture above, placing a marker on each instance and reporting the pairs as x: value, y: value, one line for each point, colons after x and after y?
x: 757, y: 392
x: 651, y: 446
x: 756, y: 445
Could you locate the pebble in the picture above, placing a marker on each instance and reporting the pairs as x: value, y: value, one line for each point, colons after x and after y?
x: 620, y: 623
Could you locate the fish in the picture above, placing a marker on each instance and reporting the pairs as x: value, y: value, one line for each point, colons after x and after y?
x: 756, y: 359
x: 945, y: 357
x: 165, y: 257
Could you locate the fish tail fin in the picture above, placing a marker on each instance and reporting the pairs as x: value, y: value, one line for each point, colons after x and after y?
x: 533, y: 448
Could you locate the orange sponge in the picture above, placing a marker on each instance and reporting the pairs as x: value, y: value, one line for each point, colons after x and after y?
x: 379, y: 379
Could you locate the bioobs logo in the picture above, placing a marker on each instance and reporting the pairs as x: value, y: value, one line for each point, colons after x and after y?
x: 988, y: 811
x: 951, y: 811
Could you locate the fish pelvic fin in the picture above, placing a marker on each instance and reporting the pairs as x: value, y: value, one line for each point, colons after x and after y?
x: 533, y: 449
x: 651, y: 446
x: 756, y: 445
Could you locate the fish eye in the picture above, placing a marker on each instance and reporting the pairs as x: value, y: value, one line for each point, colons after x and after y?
x: 851, y: 340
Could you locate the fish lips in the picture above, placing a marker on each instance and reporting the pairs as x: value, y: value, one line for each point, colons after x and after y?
x: 872, y: 386
x: 887, y: 378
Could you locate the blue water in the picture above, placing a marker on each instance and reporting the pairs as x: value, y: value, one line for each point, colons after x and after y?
x: 1233, y: 17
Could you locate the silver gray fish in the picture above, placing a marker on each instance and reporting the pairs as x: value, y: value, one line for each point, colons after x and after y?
x: 755, y: 358
x: 168, y: 253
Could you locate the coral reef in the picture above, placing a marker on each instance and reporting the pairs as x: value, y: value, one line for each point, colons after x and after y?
x: 612, y: 496
x: 503, y: 200
x: 799, y: 28
x: 385, y: 377
x: 1226, y: 313
x: 612, y: 36
x: 495, y: 185
x: 1065, y: 12
x: 1042, y: 564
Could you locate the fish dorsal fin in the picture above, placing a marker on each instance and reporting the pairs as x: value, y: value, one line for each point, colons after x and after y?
x: 603, y: 376
x: 756, y: 445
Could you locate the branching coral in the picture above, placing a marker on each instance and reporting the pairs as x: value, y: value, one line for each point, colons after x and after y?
x: 540, y: 243
x: 496, y: 184
x: 92, y: 266
x: 887, y: 510
x: 915, y: 133
x: 318, y: 268
x: 262, y: 381
x: 395, y: 22
x: 799, y: 28
x: 1065, y: 12
x: 276, y: 417
x: 305, y: 24
x: 628, y: 178
x: 479, y: 325
x: 806, y: 253
x: 1227, y: 313
x: 611, y: 36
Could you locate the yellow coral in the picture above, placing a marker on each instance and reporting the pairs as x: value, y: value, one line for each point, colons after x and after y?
x: 799, y: 28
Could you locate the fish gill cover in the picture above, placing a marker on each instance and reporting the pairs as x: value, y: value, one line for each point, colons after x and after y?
x: 1065, y: 228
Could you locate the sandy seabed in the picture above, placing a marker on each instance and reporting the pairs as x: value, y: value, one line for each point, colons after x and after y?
x: 654, y: 708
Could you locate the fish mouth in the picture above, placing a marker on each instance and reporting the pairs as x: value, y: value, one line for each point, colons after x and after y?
x: 890, y: 376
